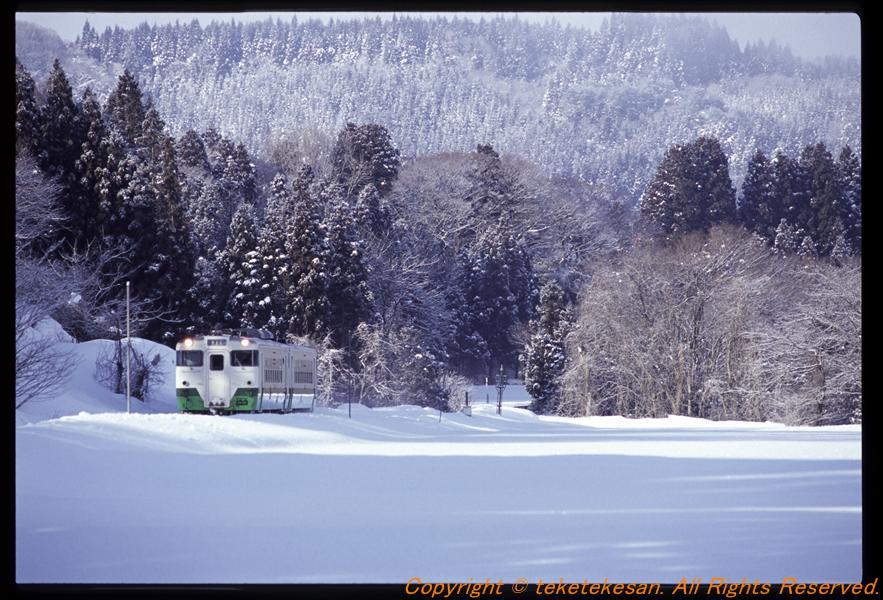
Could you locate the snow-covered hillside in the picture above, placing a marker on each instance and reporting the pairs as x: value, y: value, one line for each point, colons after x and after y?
x: 599, y: 107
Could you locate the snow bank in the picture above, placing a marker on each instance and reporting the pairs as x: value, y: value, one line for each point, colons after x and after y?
x: 82, y: 393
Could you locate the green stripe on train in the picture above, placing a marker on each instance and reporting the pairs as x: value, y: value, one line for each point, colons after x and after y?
x: 189, y: 400
x: 244, y: 399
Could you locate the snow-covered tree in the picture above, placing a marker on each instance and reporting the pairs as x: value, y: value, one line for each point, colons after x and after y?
x: 545, y: 355
x: 691, y: 189
x: 27, y: 115
x: 274, y: 273
x: 496, y: 294
x: 125, y: 110
x: 191, y: 151
x: 850, y: 174
x: 306, y: 245
x: 349, y: 298
x: 365, y: 154
x: 758, y: 207
x: 60, y: 123
x: 372, y: 213
x: 786, y: 240
x: 241, y: 267
x: 86, y: 213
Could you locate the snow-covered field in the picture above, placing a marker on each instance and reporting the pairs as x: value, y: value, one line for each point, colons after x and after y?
x: 391, y: 494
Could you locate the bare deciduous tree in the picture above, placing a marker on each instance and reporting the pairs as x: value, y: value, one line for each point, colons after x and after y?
x: 717, y: 327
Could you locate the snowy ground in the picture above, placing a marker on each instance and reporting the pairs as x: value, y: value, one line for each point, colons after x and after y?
x: 393, y: 494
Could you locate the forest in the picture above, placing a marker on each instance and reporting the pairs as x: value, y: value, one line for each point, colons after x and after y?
x: 416, y: 273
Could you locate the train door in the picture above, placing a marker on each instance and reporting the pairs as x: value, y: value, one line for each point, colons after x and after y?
x: 218, y: 383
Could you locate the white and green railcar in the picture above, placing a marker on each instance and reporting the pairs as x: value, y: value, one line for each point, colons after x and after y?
x: 243, y: 371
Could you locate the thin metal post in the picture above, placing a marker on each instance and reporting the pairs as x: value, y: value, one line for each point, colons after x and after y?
x: 128, y: 349
x: 501, y: 385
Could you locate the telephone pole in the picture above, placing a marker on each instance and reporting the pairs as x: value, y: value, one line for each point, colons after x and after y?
x: 128, y: 349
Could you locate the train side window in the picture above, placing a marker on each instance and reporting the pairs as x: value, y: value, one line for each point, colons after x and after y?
x: 188, y: 358
x: 216, y: 362
x: 244, y: 358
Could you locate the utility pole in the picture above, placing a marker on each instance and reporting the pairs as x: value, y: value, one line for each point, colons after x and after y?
x: 501, y: 385
x: 128, y: 349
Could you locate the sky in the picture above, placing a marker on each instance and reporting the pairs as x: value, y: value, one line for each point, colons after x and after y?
x: 809, y: 35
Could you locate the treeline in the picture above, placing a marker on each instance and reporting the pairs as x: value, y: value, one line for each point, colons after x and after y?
x: 686, y: 49
x: 405, y: 285
x: 413, y: 277
x: 721, y: 309
x: 809, y: 205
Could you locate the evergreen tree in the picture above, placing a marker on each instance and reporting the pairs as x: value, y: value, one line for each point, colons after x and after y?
x: 826, y: 212
x: 786, y: 192
x: 27, y: 114
x: 422, y: 368
x: 239, y: 174
x: 545, y: 357
x: 208, y: 295
x: 497, y: 293
x: 141, y: 194
x: 491, y: 190
x: 758, y: 209
x: 87, y: 213
x: 691, y: 189
x: 151, y: 137
x: 191, y: 151
x: 786, y: 240
x: 168, y: 184
x: 365, y: 154
x: 125, y: 110
x: 347, y: 290
x: 208, y: 213
x: 850, y: 175
x: 794, y: 188
x: 307, y: 248
x: 211, y: 139
x: 808, y: 248
x: 272, y: 307
x: 112, y: 180
x: 372, y: 212
x: 841, y: 249
x: 90, y: 42
x: 241, y: 267
x: 60, y: 135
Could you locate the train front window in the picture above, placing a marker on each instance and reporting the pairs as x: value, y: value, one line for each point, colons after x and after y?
x: 244, y: 358
x: 216, y: 362
x: 188, y: 358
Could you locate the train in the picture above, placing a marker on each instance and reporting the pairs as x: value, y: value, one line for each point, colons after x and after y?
x: 243, y: 371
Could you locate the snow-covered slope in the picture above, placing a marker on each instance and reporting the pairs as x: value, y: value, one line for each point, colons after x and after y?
x: 596, y: 107
x: 82, y: 393
x: 36, y: 47
x: 394, y: 493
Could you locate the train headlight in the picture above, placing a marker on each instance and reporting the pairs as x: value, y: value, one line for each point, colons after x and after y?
x: 188, y: 342
x: 245, y: 342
